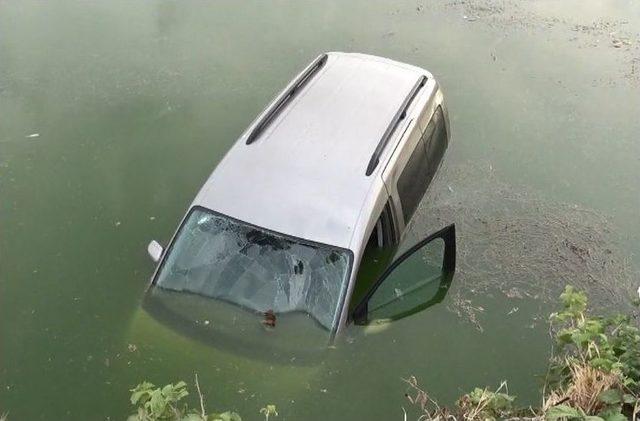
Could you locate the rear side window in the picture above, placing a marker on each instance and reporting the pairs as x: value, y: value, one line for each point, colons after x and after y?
x: 412, y: 181
x: 422, y: 165
x: 435, y: 142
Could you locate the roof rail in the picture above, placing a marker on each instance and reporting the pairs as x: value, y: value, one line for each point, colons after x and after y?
x: 400, y: 115
x: 284, y: 99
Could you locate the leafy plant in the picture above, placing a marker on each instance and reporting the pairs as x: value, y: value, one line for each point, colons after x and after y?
x: 484, y: 404
x: 155, y: 404
x: 594, y: 374
x: 269, y: 410
x: 596, y: 371
x: 478, y: 405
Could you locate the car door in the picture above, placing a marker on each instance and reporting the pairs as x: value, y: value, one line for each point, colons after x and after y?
x: 415, y: 281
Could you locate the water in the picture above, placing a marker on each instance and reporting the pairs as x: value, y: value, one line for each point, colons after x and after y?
x: 133, y: 105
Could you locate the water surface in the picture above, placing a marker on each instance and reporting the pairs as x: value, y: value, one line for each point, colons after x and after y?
x: 112, y: 115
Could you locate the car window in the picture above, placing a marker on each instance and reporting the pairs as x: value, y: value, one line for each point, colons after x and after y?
x: 219, y: 257
x: 413, y: 182
x: 435, y: 142
x: 416, y: 279
x: 422, y: 165
x: 380, y: 248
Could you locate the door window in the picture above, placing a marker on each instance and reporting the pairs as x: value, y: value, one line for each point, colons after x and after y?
x: 377, y: 255
x: 416, y: 280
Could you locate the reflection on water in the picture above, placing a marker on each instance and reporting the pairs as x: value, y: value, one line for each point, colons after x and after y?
x: 134, y: 105
x: 238, y: 330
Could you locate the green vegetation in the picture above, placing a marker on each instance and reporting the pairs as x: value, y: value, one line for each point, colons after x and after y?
x: 269, y: 410
x: 155, y: 404
x: 483, y: 404
x: 594, y: 374
x: 163, y: 404
x: 480, y: 404
x: 596, y: 371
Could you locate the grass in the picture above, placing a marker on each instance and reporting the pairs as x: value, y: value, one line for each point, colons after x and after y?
x: 586, y: 386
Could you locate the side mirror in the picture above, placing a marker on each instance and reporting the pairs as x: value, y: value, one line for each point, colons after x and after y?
x: 415, y: 281
x: 155, y: 250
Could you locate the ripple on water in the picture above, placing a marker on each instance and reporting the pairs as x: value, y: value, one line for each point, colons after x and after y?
x: 513, y: 241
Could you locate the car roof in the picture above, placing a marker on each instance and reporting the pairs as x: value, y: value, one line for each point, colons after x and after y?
x: 304, y: 175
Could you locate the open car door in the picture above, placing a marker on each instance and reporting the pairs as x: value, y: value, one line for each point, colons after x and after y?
x: 416, y: 280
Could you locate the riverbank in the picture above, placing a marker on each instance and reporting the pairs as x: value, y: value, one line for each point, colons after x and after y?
x: 594, y: 374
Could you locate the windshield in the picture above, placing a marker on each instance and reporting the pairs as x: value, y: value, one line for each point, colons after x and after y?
x: 219, y: 257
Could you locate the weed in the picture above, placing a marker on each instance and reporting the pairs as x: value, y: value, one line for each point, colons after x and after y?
x: 485, y: 404
x: 594, y: 374
x: 268, y: 411
x: 429, y: 408
x: 596, y: 369
x: 155, y: 404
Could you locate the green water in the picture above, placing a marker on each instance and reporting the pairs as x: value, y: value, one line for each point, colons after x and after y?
x: 134, y: 104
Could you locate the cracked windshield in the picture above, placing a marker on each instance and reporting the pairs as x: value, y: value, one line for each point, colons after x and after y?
x: 219, y: 258
x: 140, y: 280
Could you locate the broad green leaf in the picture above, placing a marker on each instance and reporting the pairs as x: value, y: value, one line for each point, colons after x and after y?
x: 611, y: 396
x: 140, y: 393
x: 157, y: 403
x: 139, y: 397
x: 562, y: 411
x: 167, y: 390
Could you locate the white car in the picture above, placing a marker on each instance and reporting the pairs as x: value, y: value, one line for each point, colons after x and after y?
x: 299, y: 221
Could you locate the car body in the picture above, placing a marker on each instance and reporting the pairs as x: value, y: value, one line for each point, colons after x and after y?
x: 333, y: 168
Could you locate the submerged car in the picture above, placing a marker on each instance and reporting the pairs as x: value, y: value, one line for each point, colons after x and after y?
x: 298, y: 224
